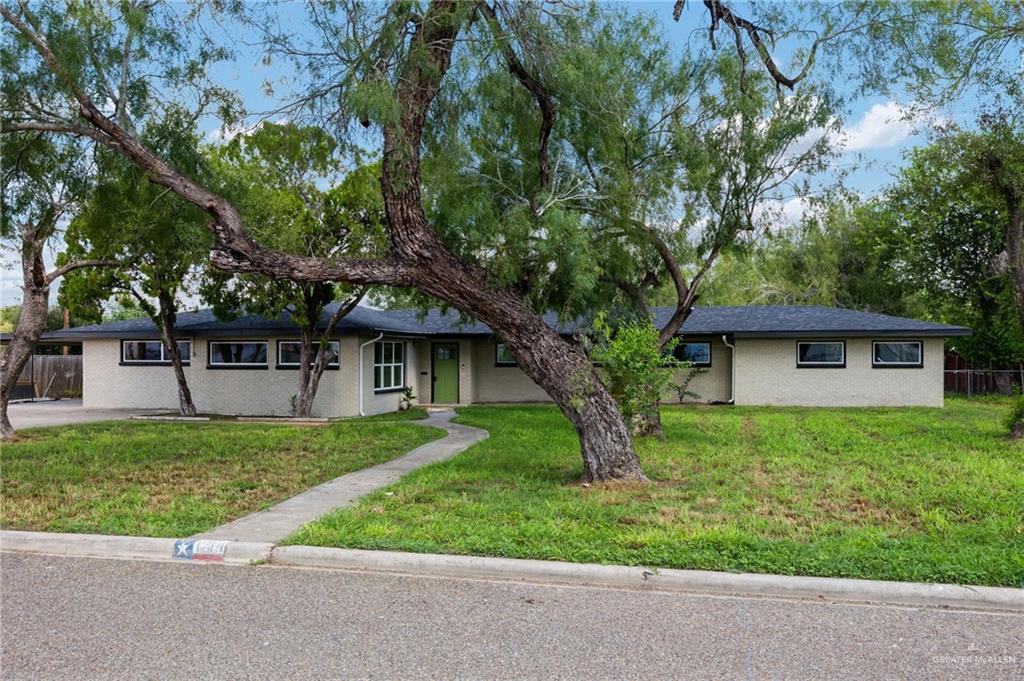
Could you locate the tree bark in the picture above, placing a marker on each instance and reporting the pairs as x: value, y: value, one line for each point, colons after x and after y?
x: 1015, y: 253
x: 35, y: 302
x: 313, y: 357
x: 417, y: 256
x: 166, y: 316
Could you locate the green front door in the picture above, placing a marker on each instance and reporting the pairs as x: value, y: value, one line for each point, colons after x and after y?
x: 446, y: 373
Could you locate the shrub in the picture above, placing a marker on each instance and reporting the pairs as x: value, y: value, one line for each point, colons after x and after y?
x: 635, y: 369
x: 1015, y: 419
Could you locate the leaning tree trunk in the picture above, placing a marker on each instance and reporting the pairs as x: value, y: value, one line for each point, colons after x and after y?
x: 167, y: 315
x: 34, y: 302
x: 417, y: 257
x: 558, y: 366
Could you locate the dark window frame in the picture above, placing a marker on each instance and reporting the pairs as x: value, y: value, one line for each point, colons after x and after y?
x: 289, y: 366
x: 233, y: 366
x: 154, y: 362
x: 820, y: 365
x: 404, y: 364
x: 498, y: 362
x: 696, y: 365
x: 898, y: 365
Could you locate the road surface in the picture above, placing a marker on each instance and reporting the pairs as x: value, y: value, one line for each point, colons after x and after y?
x: 97, y: 619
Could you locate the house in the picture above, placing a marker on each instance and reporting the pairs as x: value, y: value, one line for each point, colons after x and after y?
x: 753, y: 355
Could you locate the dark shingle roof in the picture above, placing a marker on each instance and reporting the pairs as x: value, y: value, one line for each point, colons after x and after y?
x: 745, y: 321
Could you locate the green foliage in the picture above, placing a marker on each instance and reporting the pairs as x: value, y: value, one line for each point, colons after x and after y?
x: 289, y: 184
x: 159, y: 239
x: 839, y: 255
x: 633, y: 366
x: 1014, y: 420
x: 921, y: 495
x: 11, y: 314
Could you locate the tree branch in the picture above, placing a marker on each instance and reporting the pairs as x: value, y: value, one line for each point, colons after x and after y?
x: 234, y: 250
x: 77, y: 265
x: 531, y: 83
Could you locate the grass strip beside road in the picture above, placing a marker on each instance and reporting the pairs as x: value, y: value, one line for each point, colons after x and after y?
x: 167, y: 479
x: 931, y: 495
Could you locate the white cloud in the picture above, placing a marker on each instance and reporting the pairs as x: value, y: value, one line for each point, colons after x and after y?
x: 881, y: 126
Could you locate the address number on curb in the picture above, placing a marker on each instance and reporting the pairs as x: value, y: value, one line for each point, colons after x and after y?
x: 200, y: 549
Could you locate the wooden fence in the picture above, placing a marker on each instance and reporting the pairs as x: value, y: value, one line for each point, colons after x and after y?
x: 58, y: 376
x: 961, y: 377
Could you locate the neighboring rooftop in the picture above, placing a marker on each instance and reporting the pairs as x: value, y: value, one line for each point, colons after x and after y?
x: 749, y: 321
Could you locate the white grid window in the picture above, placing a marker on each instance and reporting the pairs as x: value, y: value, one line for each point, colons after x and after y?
x: 388, y: 365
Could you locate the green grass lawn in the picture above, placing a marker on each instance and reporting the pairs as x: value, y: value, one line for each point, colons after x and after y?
x: 177, y: 479
x: 902, y: 494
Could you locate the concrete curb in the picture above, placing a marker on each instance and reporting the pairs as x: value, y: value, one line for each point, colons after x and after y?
x: 689, y: 581
x: 533, y: 571
x: 134, y: 548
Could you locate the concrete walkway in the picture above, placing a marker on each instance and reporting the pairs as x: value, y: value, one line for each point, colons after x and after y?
x: 277, y: 522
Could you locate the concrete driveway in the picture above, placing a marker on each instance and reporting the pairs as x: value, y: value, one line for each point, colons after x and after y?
x: 64, y: 412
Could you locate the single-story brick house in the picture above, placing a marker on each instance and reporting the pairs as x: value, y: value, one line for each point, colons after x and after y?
x: 753, y: 355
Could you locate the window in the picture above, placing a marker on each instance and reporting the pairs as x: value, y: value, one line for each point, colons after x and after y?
x: 388, y: 365
x: 502, y: 356
x: 698, y: 354
x: 896, y: 354
x: 243, y: 355
x: 288, y: 353
x: 821, y: 354
x: 152, y: 352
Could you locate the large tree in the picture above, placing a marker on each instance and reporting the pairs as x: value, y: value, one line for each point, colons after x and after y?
x: 43, y: 183
x: 276, y: 177
x: 387, y: 73
x: 160, y: 240
x: 394, y: 77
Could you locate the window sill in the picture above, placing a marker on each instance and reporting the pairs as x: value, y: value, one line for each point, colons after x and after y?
x: 384, y: 391
x: 295, y: 367
x: 151, y: 364
x: 897, y: 366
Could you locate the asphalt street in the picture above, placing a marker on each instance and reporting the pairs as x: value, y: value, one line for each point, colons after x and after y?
x: 98, y: 619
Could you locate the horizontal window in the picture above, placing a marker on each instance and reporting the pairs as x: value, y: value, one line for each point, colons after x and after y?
x: 698, y: 354
x: 821, y: 354
x: 152, y: 352
x: 503, y: 357
x: 388, y: 365
x: 238, y: 353
x: 896, y: 354
x: 289, y: 352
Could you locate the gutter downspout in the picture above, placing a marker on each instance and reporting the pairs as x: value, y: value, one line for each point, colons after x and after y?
x: 732, y: 388
x: 361, y: 391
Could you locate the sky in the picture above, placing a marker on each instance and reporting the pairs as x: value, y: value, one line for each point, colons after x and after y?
x: 875, y: 133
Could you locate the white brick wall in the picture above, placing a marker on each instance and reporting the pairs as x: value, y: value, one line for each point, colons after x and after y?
x: 108, y: 384
x: 766, y: 373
